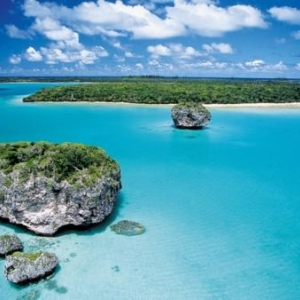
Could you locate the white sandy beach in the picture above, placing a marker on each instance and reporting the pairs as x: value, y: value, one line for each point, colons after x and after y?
x: 214, y: 106
x: 241, y: 105
x: 255, y: 105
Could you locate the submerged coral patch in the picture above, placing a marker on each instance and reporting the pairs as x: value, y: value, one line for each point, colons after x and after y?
x: 31, y: 295
x: 52, y: 285
x: 116, y: 268
x: 128, y: 228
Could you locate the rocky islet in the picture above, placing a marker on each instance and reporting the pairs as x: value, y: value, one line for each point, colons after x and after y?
x: 26, y: 267
x: 47, y: 186
x: 190, y: 115
x: 9, y: 244
x: 35, y: 194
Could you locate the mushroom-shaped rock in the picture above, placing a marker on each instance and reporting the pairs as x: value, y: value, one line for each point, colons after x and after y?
x: 9, y: 244
x: 23, y: 267
x: 190, y: 115
x: 128, y: 228
x: 46, y: 186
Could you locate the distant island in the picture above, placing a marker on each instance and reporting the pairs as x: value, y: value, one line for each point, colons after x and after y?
x: 156, y: 90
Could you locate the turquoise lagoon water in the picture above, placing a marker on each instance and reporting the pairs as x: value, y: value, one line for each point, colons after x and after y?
x: 221, y: 206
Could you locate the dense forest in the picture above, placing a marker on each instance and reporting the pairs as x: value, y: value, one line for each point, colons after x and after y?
x: 58, y: 161
x: 167, y: 91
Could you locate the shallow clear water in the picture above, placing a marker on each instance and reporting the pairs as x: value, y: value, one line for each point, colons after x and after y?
x: 221, y: 206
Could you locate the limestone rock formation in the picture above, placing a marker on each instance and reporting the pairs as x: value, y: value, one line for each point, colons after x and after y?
x: 9, y: 244
x: 47, y: 186
x: 128, y: 228
x: 25, y: 267
x: 190, y: 115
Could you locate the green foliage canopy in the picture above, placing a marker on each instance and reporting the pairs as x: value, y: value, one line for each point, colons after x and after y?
x: 65, y: 161
x: 173, y: 91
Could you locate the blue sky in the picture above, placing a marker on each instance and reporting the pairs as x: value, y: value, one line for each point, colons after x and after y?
x: 222, y: 38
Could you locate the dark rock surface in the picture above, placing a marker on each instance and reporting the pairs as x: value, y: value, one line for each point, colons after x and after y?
x: 128, y: 228
x: 9, y: 244
x: 25, y: 267
x: 190, y: 115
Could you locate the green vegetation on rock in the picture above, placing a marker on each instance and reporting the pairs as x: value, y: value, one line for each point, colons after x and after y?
x: 172, y: 91
x: 191, y: 106
x: 60, y: 162
x: 9, y: 244
x: 25, y: 267
x: 32, y: 256
x: 47, y: 186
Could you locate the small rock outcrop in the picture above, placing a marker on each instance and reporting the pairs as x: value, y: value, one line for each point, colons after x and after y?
x: 9, y: 244
x: 190, y: 115
x: 128, y: 228
x: 47, y: 186
x: 25, y: 267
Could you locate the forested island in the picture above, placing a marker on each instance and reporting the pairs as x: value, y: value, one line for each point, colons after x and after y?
x: 171, y: 91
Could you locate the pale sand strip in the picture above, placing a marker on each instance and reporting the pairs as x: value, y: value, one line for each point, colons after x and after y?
x: 221, y: 106
x: 255, y: 105
x: 242, y: 105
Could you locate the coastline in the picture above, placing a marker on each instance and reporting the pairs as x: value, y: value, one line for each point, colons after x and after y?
x: 127, y: 104
x: 214, y: 106
x: 256, y: 105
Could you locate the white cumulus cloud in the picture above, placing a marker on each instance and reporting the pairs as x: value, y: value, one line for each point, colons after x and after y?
x: 83, y: 56
x: 128, y: 54
x: 255, y: 63
x: 64, y: 27
x: 139, y: 66
x: 218, y: 47
x: 53, y: 55
x: 135, y: 19
x: 16, y: 33
x: 205, y: 18
x: 159, y: 50
x: 100, y: 51
x: 33, y: 55
x: 280, y: 67
x: 211, y: 20
x: 54, y: 31
x: 286, y: 14
x: 174, y: 50
x: 261, y: 66
x: 15, y: 59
